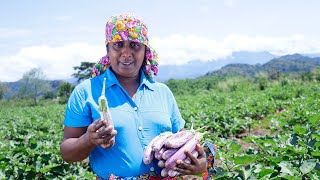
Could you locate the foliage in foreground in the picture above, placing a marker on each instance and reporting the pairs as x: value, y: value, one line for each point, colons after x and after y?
x: 288, y: 110
x: 30, y: 141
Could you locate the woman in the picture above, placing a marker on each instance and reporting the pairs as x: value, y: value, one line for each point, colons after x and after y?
x: 140, y: 108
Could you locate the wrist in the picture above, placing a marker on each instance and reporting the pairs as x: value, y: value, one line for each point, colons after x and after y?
x: 87, y: 142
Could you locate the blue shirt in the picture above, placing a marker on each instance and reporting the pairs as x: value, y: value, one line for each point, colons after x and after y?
x: 152, y: 111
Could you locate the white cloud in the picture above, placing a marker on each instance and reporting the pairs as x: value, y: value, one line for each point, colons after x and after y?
x: 180, y: 49
x: 58, y: 62
x: 276, y: 45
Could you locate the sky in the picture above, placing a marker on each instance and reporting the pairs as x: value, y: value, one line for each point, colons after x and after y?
x: 58, y: 35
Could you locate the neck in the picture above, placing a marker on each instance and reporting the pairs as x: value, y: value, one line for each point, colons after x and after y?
x: 128, y: 80
x: 130, y: 84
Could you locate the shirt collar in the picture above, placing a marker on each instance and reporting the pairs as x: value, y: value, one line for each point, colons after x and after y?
x: 145, y: 81
x: 112, y: 79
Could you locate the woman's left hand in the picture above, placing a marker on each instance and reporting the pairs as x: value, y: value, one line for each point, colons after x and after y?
x: 198, y: 164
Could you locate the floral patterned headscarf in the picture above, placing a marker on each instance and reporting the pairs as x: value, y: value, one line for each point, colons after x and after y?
x: 125, y: 27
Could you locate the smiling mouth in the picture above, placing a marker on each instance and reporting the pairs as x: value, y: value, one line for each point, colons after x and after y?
x: 126, y: 63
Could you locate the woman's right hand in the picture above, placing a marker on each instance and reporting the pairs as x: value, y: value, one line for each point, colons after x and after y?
x: 99, y: 134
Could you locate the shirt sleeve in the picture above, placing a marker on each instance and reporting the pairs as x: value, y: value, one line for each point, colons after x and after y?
x: 176, y: 119
x: 77, y: 111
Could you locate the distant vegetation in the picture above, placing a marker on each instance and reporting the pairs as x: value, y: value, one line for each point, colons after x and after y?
x: 283, y: 64
x: 231, y: 82
x: 84, y: 71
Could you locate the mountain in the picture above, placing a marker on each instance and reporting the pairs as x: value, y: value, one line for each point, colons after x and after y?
x: 195, y: 69
x: 54, y: 85
x: 283, y: 64
x: 236, y: 69
x: 15, y: 86
x: 73, y: 81
x: 292, y: 63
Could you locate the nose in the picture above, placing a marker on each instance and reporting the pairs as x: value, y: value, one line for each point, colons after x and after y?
x: 126, y: 50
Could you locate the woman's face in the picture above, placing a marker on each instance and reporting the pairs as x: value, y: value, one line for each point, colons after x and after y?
x: 126, y: 57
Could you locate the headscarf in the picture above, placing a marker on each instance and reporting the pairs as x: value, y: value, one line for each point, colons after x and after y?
x: 125, y: 27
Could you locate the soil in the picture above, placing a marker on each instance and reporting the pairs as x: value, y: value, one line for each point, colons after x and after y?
x: 260, y: 130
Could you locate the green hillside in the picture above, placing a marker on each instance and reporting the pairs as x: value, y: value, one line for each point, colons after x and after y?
x: 283, y: 64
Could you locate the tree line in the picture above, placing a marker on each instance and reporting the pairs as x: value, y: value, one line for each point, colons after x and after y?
x: 34, y: 85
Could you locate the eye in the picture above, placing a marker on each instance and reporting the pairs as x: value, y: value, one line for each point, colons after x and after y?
x: 135, y: 45
x: 118, y: 44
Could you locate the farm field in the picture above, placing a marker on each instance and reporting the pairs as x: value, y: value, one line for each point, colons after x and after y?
x: 272, y: 133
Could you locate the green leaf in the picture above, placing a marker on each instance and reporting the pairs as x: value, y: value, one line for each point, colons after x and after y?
x: 48, y: 168
x: 308, y: 166
x: 316, y: 136
x: 289, y: 177
x: 244, y: 159
x: 220, y: 171
x: 298, y: 129
x: 265, y: 172
x: 286, y: 168
x: 314, y: 176
x: 276, y: 159
x: 33, y: 144
x: 316, y: 153
x: 89, y: 176
x: 315, y: 119
x: 246, y: 173
x: 235, y: 146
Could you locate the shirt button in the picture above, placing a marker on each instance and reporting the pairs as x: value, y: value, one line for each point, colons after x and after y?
x: 135, y: 108
x: 140, y: 128
x: 151, y: 169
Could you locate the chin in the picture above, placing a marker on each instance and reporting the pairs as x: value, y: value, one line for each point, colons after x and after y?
x: 129, y: 74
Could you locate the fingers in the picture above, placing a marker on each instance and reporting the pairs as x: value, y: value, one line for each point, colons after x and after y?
x: 196, y: 165
x: 105, y: 146
x: 183, y: 168
x: 101, y: 134
x: 106, y: 135
x: 194, y: 155
x: 108, y: 144
x: 95, y: 126
x: 193, y: 158
x: 200, y: 151
x: 109, y: 131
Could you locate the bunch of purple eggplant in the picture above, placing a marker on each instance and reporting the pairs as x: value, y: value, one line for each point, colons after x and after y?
x: 167, y: 148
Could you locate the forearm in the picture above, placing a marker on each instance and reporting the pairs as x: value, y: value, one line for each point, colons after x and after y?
x: 76, y: 149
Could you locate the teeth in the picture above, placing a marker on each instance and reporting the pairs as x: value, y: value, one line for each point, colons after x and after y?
x: 126, y: 63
